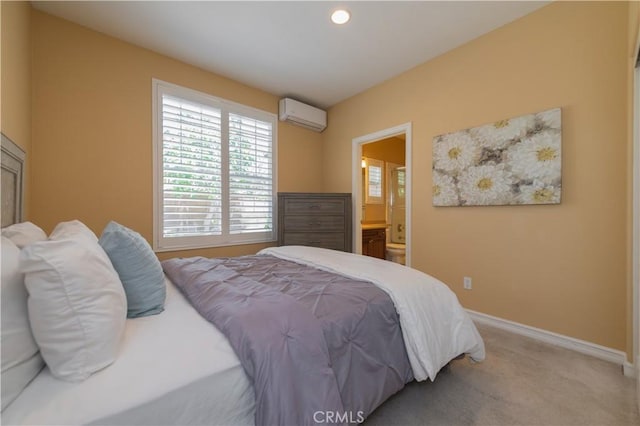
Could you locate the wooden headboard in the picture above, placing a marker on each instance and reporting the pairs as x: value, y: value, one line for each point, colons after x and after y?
x: 12, y: 179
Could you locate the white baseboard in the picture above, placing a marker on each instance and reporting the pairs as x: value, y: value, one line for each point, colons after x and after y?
x: 582, y: 346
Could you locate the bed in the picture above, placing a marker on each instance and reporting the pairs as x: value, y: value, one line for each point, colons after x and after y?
x: 190, y: 362
x: 190, y: 376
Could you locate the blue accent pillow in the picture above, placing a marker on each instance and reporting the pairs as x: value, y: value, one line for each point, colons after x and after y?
x: 138, y: 267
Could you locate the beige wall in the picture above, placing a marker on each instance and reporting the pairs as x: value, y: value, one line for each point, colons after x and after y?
x: 562, y: 268
x: 390, y: 149
x: 15, y: 84
x: 92, y: 147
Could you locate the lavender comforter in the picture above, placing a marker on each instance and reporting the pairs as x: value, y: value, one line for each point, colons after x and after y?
x: 319, y: 347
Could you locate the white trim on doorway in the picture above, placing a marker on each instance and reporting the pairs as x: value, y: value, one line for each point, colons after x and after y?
x: 636, y: 225
x: 356, y: 182
x: 635, y: 250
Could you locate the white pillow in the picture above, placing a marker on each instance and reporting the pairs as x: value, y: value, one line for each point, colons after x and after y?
x: 72, y: 228
x: 23, y: 234
x: 77, y: 304
x: 21, y: 360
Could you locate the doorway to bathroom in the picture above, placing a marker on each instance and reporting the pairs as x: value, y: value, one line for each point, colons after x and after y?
x: 381, y: 188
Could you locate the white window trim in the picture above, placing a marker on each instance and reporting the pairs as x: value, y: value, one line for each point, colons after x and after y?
x: 188, y: 243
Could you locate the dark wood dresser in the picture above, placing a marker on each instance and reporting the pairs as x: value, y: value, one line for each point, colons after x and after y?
x: 315, y: 219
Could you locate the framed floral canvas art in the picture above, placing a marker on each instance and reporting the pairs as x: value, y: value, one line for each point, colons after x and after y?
x: 512, y: 161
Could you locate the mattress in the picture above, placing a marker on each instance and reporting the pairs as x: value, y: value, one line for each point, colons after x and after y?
x: 172, y: 368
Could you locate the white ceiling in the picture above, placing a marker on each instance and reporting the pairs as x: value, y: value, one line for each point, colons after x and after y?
x: 291, y: 48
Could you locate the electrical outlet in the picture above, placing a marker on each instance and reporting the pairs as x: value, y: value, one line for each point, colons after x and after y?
x: 466, y: 282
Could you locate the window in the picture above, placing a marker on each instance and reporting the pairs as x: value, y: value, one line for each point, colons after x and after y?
x: 374, y: 182
x: 214, y: 170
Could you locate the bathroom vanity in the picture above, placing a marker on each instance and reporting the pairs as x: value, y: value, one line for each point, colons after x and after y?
x: 374, y: 240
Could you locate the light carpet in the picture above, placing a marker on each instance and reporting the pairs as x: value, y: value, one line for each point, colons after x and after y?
x: 521, y: 382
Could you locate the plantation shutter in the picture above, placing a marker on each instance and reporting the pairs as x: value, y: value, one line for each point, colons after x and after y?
x: 214, y: 170
x: 375, y: 181
x: 250, y: 175
x: 192, y: 171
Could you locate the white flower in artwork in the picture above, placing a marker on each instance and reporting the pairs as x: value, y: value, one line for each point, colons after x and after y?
x: 500, y: 134
x: 486, y: 185
x: 539, y: 193
x: 444, y: 190
x: 537, y: 157
x: 550, y: 118
x: 455, y: 152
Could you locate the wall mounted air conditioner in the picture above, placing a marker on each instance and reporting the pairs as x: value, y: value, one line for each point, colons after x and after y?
x: 302, y: 114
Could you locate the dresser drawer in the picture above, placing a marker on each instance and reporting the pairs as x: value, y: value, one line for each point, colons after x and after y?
x: 330, y: 240
x: 314, y: 223
x: 312, y: 206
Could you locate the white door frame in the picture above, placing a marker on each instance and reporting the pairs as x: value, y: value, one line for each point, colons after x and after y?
x: 635, y: 251
x: 636, y: 226
x: 356, y: 182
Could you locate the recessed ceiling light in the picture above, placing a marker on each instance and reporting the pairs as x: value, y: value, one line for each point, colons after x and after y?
x: 340, y: 16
